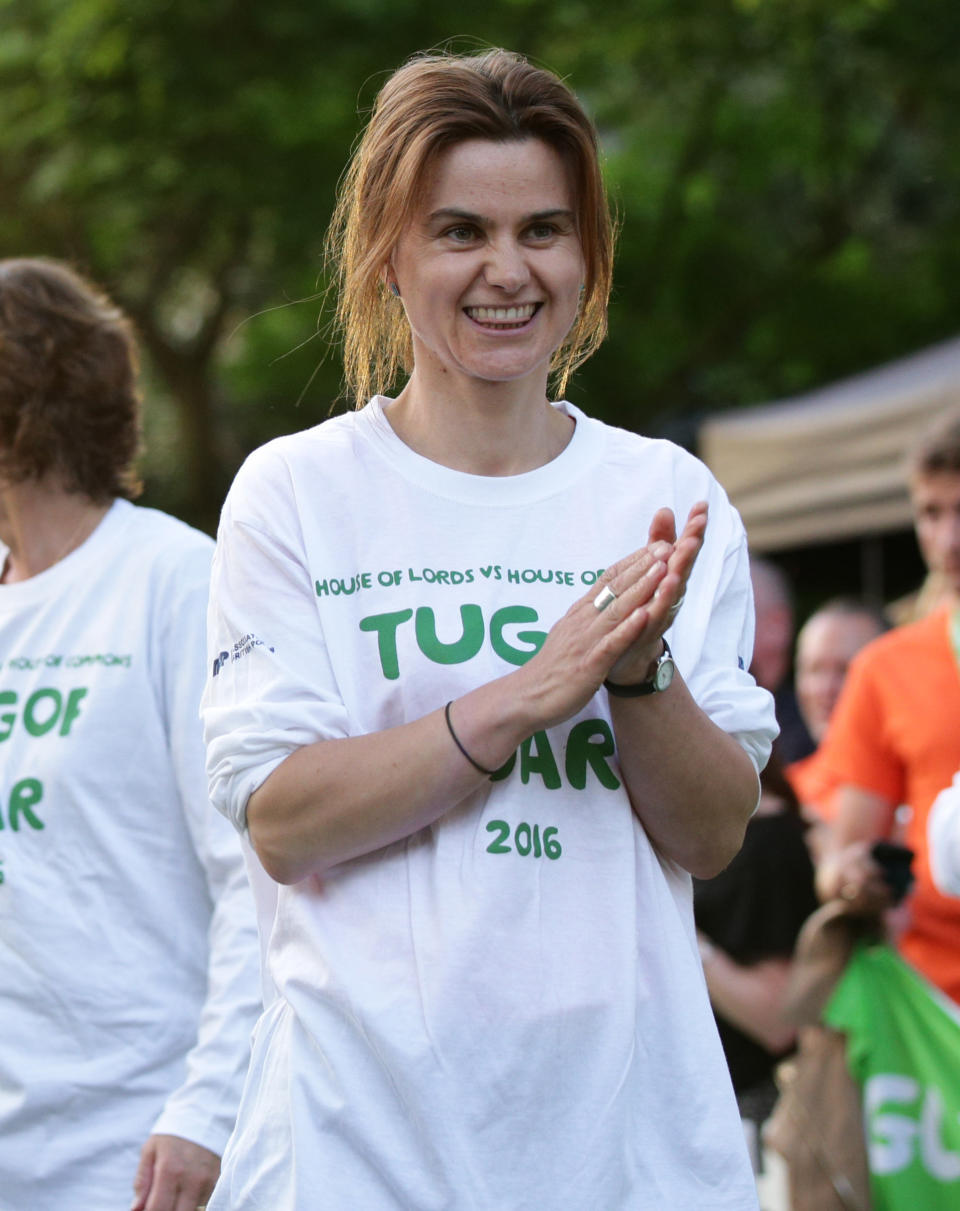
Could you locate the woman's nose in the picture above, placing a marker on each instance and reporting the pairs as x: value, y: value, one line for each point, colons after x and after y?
x: 507, y: 267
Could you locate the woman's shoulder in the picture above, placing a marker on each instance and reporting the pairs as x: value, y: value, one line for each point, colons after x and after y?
x: 316, y: 454
x: 657, y: 456
x: 148, y: 550
x: 327, y: 439
x: 668, y: 474
x: 158, y: 535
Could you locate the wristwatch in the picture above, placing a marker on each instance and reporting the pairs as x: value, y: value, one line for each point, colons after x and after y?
x: 663, y: 672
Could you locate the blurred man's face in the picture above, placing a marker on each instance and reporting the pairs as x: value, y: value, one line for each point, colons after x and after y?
x: 936, y: 514
x: 825, y: 646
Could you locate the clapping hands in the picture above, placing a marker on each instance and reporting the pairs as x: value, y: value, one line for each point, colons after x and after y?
x: 615, y: 629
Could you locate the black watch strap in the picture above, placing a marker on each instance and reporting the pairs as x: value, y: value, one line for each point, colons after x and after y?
x: 640, y: 688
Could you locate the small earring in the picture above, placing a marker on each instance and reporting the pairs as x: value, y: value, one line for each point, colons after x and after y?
x: 394, y: 289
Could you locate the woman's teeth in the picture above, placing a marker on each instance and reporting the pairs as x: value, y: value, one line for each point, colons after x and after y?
x: 502, y: 315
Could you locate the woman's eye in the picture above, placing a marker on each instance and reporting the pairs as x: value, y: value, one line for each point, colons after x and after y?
x: 460, y: 234
x: 542, y: 231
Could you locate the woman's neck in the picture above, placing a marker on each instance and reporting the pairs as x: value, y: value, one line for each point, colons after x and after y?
x: 40, y: 524
x: 486, y: 429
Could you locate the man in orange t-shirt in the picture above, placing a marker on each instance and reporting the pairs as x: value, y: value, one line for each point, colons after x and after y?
x: 894, y: 737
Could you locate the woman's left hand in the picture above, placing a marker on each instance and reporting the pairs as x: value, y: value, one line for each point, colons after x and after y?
x: 664, y: 602
x: 691, y: 784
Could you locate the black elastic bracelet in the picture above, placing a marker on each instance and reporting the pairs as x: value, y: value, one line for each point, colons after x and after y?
x: 456, y: 741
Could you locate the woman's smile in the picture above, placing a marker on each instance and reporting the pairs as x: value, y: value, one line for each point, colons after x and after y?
x: 504, y: 318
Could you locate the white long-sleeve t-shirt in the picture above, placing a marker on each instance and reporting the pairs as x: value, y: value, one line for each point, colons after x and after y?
x: 128, y: 946
x: 506, y: 1009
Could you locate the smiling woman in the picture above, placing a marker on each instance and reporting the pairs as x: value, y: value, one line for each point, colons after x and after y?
x: 429, y: 105
x: 489, y: 270
x: 481, y: 784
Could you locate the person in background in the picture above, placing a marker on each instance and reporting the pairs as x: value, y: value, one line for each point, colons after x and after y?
x: 481, y: 709
x: 893, y: 738
x: 772, y: 654
x: 932, y: 594
x: 748, y: 919
x: 826, y: 643
x: 127, y: 933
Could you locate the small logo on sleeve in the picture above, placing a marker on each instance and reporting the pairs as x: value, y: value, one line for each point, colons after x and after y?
x: 243, y: 647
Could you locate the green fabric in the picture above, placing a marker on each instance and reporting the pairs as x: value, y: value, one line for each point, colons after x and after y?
x: 903, y: 1047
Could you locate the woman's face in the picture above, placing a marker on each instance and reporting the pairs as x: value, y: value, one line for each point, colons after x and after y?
x: 490, y: 266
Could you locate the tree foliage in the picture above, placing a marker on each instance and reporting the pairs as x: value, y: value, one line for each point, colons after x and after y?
x: 786, y: 171
x: 789, y: 174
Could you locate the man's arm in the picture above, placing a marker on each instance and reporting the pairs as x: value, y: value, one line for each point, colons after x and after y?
x: 752, y: 998
x: 846, y: 869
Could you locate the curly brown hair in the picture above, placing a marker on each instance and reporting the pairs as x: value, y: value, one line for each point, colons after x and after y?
x: 69, y: 400
x: 431, y: 103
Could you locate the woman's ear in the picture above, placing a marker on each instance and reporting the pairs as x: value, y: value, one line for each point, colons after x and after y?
x: 390, y: 281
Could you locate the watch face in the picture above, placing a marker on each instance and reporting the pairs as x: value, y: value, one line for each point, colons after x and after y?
x: 664, y: 674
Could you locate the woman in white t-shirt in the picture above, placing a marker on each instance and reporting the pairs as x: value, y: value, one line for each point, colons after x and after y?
x: 128, y: 941
x: 444, y: 709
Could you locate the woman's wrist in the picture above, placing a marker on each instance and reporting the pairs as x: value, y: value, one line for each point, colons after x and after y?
x: 641, y: 668
x: 491, y: 721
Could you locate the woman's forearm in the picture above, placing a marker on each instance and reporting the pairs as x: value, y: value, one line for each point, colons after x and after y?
x: 691, y: 784
x: 338, y: 799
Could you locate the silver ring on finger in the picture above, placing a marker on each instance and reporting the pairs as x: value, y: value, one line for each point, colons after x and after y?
x: 604, y: 598
x: 675, y: 608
